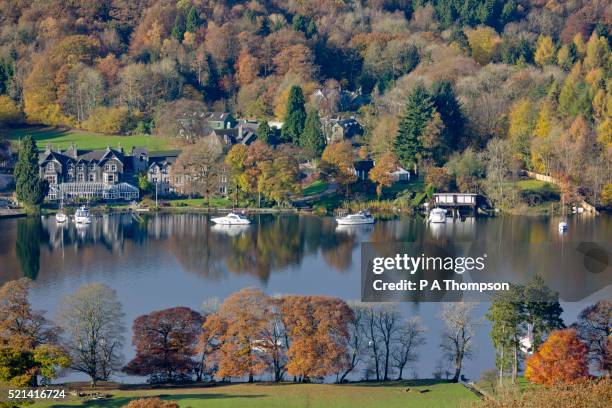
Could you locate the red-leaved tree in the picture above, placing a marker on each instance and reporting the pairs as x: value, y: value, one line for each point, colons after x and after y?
x: 562, y: 358
x: 165, y: 343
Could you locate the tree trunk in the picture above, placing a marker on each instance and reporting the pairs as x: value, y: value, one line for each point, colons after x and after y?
x: 399, y: 377
x: 515, y: 364
x: 458, y: 360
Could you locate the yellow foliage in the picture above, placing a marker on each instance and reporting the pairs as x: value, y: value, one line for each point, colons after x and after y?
x: 545, y: 51
x: 520, y: 118
x: 544, y: 121
x: 606, y: 195
x: 597, y: 52
x: 579, y: 43
x: 9, y: 111
x: 595, y: 78
x: 604, y: 132
x: 108, y: 120
x: 484, y: 42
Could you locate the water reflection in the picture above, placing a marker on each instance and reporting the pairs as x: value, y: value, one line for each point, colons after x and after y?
x: 273, y: 243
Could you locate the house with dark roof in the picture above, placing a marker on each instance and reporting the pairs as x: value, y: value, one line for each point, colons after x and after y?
x: 337, y: 130
x: 90, y: 173
x: 159, y: 173
x: 220, y: 120
x: 237, y: 135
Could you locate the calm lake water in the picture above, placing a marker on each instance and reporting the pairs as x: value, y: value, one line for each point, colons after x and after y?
x: 167, y: 260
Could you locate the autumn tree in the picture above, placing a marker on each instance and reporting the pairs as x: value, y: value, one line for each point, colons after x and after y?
x: 337, y: 161
x: 28, y: 341
x: 562, y: 358
x: 278, y: 178
x: 408, y: 145
x: 458, y: 337
x: 92, y: 321
x: 545, y: 51
x: 294, y: 121
x: 593, y: 328
x: 318, y: 328
x: 200, y: 167
x: 381, y: 173
x: 30, y: 188
x: 165, y: 343
x: 239, y: 331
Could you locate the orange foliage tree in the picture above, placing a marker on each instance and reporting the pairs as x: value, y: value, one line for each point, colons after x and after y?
x: 318, y: 329
x: 562, y: 358
x: 238, y: 326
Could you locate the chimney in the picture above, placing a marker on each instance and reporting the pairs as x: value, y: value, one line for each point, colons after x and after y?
x: 240, y: 131
x: 48, y: 148
x: 73, y: 150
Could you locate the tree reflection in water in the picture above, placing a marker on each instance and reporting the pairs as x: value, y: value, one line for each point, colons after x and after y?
x: 30, y: 236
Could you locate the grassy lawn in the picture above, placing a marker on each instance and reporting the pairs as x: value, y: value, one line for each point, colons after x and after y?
x: 316, y: 187
x: 201, y: 202
x: 62, y: 138
x: 300, y: 395
x: 532, y: 184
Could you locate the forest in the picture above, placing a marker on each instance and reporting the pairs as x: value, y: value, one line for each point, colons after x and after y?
x: 466, y: 92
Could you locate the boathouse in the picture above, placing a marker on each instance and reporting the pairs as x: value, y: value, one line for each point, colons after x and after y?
x: 457, y: 201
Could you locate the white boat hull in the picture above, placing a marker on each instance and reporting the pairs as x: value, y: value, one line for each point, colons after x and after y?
x: 341, y: 221
x: 82, y: 220
x: 437, y: 216
x: 60, y: 217
x: 222, y: 221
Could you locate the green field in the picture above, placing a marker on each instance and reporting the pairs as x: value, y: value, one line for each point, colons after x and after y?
x: 263, y: 395
x: 62, y: 138
x: 316, y: 187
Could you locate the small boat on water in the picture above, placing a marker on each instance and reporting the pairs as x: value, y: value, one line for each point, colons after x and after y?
x: 562, y: 226
x: 232, y: 219
x: 437, y: 215
x: 82, y: 216
x: 60, y: 217
x: 362, y: 217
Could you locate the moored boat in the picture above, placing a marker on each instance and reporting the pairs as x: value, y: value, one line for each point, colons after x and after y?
x: 232, y: 219
x: 362, y: 217
x: 437, y: 215
x: 82, y: 216
x: 60, y: 217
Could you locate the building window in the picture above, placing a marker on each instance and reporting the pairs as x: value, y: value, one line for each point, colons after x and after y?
x: 110, y: 178
x: 92, y: 177
x: 50, y: 167
x: 113, y: 167
x: 80, y: 177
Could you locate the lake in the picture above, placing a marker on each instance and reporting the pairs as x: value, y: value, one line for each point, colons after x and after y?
x: 165, y: 260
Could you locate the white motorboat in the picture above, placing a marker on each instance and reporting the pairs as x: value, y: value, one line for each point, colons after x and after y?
x: 437, y: 215
x: 562, y: 226
x: 60, y: 217
x: 362, y: 217
x: 82, y: 216
x: 232, y: 219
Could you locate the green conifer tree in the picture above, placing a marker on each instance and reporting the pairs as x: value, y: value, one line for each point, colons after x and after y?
x: 265, y: 133
x: 192, y: 21
x: 31, y: 189
x: 295, y: 118
x: 407, y: 145
x: 450, y: 111
x: 178, y: 30
x: 313, y: 139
